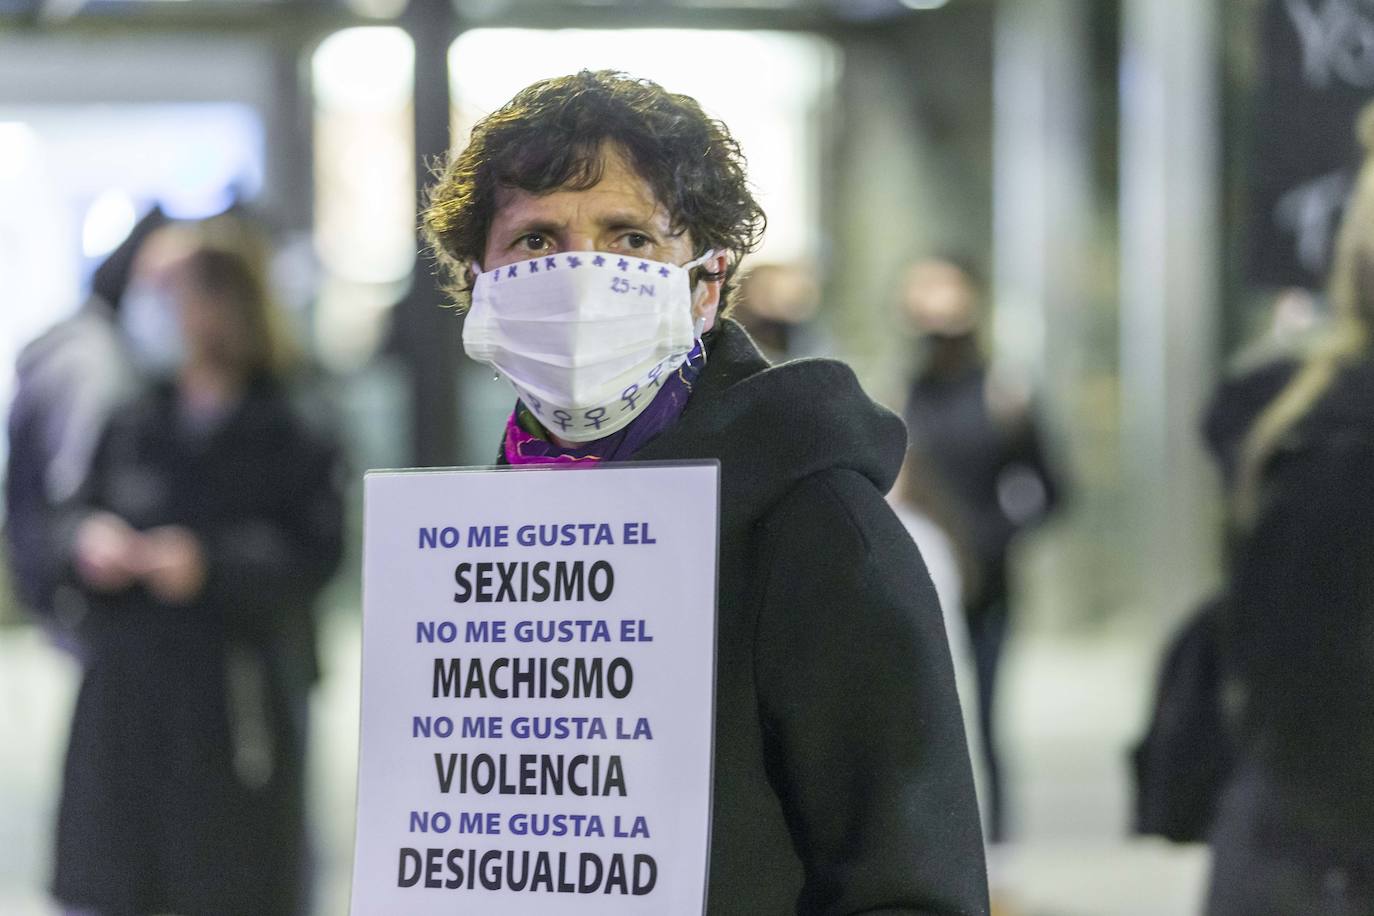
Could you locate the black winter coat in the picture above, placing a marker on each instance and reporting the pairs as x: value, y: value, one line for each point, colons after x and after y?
x: 842, y: 777
x: 183, y: 784
x: 1299, y: 632
x: 977, y: 460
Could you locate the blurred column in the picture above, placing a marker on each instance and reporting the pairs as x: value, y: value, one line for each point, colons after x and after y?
x: 1170, y: 196
x: 907, y: 173
x: 1042, y: 199
x: 290, y: 150
x: 1043, y: 247
x: 426, y: 333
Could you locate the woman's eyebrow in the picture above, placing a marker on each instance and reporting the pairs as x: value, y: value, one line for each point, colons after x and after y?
x: 534, y: 225
x: 626, y: 219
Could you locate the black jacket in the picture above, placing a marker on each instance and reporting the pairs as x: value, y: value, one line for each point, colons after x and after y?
x: 842, y: 778
x: 975, y: 460
x: 183, y: 783
x: 1299, y: 632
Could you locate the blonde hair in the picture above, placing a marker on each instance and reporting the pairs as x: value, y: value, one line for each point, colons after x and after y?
x: 1351, y: 291
x: 229, y: 256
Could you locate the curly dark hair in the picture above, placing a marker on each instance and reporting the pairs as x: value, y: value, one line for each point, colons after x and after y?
x: 550, y: 136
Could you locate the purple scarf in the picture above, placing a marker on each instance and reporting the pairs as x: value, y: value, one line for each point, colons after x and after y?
x: 522, y: 446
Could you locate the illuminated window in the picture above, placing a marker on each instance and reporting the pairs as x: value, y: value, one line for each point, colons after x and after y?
x: 771, y: 89
x: 38, y: 260
x: 365, y: 209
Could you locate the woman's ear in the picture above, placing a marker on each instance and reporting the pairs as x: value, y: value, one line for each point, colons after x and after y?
x: 706, y: 293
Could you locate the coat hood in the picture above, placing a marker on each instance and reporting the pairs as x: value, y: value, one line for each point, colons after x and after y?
x: 772, y: 427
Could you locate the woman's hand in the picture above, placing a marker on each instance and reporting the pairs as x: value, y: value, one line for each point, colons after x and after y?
x: 108, y: 552
x: 172, y: 564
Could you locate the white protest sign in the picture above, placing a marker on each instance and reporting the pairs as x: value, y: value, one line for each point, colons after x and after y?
x: 538, y: 691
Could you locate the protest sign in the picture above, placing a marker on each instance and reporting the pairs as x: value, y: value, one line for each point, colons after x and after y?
x: 538, y: 677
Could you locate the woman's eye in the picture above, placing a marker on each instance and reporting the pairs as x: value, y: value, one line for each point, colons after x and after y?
x: 635, y: 240
x: 533, y: 242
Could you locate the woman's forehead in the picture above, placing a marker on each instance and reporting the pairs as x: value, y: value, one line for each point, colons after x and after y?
x: 620, y: 190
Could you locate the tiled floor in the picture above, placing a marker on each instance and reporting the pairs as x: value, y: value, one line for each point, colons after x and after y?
x: 37, y: 687
x: 1072, y: 707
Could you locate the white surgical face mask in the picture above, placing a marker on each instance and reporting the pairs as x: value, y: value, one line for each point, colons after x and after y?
x: 587, y: 338
x: 152, y: 328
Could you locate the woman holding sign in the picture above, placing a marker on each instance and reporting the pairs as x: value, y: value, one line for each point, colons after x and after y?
x: 210, y: 520
x: 594, y: 224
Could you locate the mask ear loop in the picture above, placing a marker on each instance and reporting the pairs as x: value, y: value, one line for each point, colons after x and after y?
x: 708, y: 255
x: 699, y: 328
x: 476, y: 268
x: 699, y: 324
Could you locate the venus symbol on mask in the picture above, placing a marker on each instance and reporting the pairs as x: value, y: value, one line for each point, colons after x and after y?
x: 596, y: 415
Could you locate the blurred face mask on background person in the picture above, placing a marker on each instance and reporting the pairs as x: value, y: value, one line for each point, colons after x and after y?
x: 152, y: 327
x: 585, y: 337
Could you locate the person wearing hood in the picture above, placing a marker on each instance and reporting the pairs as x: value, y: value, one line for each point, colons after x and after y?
x: 69, y: 381
x: 842, y: 781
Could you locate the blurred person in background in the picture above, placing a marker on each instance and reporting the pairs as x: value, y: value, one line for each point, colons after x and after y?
x: 69, y: 381
x: 979, y: 450
x: 930, y: 522
x: 1294, y: 831
x: 209, y: 521
x: 841, y: 776
x: 777, y: 305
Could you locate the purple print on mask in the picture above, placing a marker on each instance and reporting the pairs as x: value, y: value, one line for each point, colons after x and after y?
x: 521, y: 446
